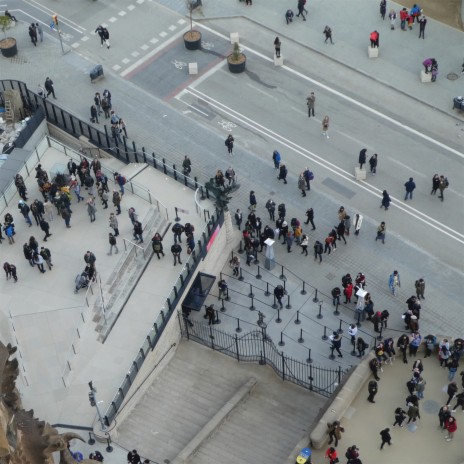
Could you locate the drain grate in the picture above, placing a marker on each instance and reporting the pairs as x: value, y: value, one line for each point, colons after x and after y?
x: 452, y: 76
x: 18, y: 59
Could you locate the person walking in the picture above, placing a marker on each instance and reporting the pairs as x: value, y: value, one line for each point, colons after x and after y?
x: 420, y: 288
x: 381, y: 232
x: 394, y: 282
x: 442, y: 185
x: 341, y: 231
x: 334, y: 430
x: 301, y: 8
x: 308, y: 177
x: 362, y: 158
x: 91, y: 208
x: 277, y: 45
x: 318, y: 249
x: 331, y: 455
x: 451, y: 391
x: 176, y: 250
x: 409, y: 186
x: 383, y: 8
x: 238, y: 218
x: 39, y: 30
x: 49, y: 87
x: 94, y: 114
x: 336, y: 340
x: 422, y: 24
x: 117, y: 201
x: 385, y: 200
x: 114, y: 224
x: 66, y: 215
x: 302, y: 184
x: 47, y: 256
x: 113, y: 244
x: 304, y: 244
x: 24, y: 209
x: 138, y: 231
x: 358, y: 219
x: 310, y: 217
x: 276, y: 158
x: 230, y: 144
x: 459, y: 401
x: 413, y: 413
x: 157, y: 245
x: 400, y: 416
x: 325, y: 126
x: 311, y: 103
x: 33, y: 34
x: 328, y: 35
x: 46, y: 228
x: 282, y: 173
x: 279, y: 293
x: 386, y: 437
x: 38, y: 261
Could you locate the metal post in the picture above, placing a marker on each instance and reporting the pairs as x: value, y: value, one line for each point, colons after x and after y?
x: 281, y: 343
x: 240, y: 277
x: 274, y: 306
x: 227, y: 294
x: 332, y: 356
x: 309, y: 360
x: 217, y: 320
x: 340, y: 330
x: 359, y: 319
x: 278, y: 320
x: 289, y: 306
x: 379, y: 337
x: 301, y: 339
x: 223, y: 308
x: 258, y: 275
x: 336, y: 312
x: 238, y: 329
x: 109, y: 448
x: 320, y: 316
x: 267, y: 292
x: 252, y: 307
x: 251, y: 295
x: 282, y: 276
x: 315, y: 300
x: 325, y: 337
x: 177, y: 218
x: 91, y: 440
x: 303, y: 292
x: 297, y: 320
x: 240, y: 249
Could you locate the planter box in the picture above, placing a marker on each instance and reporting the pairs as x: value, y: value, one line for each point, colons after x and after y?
x: 425, y: 77
x: 373, y: 52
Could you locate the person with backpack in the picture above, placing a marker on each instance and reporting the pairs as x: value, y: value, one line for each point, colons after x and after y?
x: 318, y: 249
x: 336, y: 341
x: 361, y: 346
x: 121, y: 181
x: 289, y: 16
x: 400, y: 416
x: 308, y: 176
x: 282, y: 211
x: 372, y: 388
x: 138, y: 231
x: 157, y: 245
x: 310, y: 217
x: 352, y: 454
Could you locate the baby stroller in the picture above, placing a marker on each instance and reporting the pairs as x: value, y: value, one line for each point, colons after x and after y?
x: 81, y: 281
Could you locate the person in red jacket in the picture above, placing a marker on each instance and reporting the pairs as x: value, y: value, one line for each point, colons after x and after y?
x: 331, y: 455
x: 451, y: 426
x: 348, y: 291
x: 374, y: 39
x: 404, y: 15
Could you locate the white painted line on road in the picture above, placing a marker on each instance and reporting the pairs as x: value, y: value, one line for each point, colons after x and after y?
x: 135, y: 54
x: 345, y: 97
x: 122, y: 13
x: 116, y: 67
x: 144, y: 47
x: 112, y: 19
x: 257, y: 89
x: 85, y: 38
x: 163, y: 34
x: 439, y: 226
x: 126, y: 60
x: 62, y: 18
x: 208, y: 73
x: 140, y: 1
x: 354, y: 139
x: 154, y: 41
x: 172, y: 28
x: 131, y: 7
x: 193, y: 108
x: 181, y: 21
x: 75, y: 45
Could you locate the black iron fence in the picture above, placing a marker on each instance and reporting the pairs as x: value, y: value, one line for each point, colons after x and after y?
x: 256, y: 346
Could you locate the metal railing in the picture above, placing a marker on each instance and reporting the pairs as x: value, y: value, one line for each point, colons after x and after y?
x: 164, y: 316
x: 135, y: 246
x: 255, y: 346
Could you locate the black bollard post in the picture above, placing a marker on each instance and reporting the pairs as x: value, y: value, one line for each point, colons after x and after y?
x: 216, y: 320
x: 177, y: 218
x: 320, y: 316
x: 340, y: 330
x: 301, y: 339
x: 251, y: 295
x: 359, y: 319
x: 332, y: 357
x: 240, y: 250
x: 238, y: 329
x: 260, y: 321
x: 281, y: 343
x: 258, y: 275
x: 315, y: 300
x: 267, y: 292
x: 278, y: 320
x: 303, y: 292
x: 109, y: 448
x: 309, y: 360
x: 91, y: 440
x: 222, y: 308
x: 227, y: 294
x: 379, y: 337
x: 274, y: 306
x: 240, y: 277
x: 297, y: 320
x: 336, y: 312
x: 252, y: 306
x: 325, y: 337
x: 289, y: 306
x: 282, y: 276
x: 256, y: 260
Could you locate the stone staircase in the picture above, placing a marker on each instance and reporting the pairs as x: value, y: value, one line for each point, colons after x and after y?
x: 125, y: 275
x: 181, y: 404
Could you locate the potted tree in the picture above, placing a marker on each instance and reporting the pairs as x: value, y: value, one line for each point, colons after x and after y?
x: 192, y: 38
x: 236, y: 60
x: 8, y: 44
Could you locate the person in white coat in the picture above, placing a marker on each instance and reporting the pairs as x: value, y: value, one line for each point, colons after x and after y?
x: 357, y: 223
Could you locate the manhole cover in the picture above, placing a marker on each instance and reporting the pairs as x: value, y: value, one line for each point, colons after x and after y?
x: 452, y: 76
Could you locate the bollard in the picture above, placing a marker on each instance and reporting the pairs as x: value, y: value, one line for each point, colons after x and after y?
x: 336, y: 312
x: 241, y: 278
x: 262, y: 361
x: 258, y: 275
x: 251, y: 295
x: 320, y: 316
x: 332, y: 356
x: 301, y: 339
x: 309, y: 360
x: 274, y: 306
x: 297, y: 320
x: 216, y: 320
x: 238, y: 329
x: 325, y: 337
x: 222, y: 308
x: 260, y: 321
x: 281, y: 343
x: 267, y: 292
x: 315, y: 300
x: 289, y: 306
x: 256, y: 260
x: 240, y: 250
x: 359, y: 319
x: 340, y: 330
x: 311, y: 378
x: 177, y: 218
x: 109, y: 448
x: 227, y: 294
x: 379, y: 337
x: 91, y: 440
x: 252, y: 307
x: 278, y: 320
x: 282, y: 276
x: 303, y: 292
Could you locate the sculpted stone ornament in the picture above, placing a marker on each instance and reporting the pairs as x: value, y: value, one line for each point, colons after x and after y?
x: 25, y: 439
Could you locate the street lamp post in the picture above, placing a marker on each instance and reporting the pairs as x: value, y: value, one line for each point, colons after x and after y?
x: 94, y: 403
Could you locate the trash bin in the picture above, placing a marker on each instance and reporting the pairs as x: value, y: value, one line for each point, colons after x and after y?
x: 96, y: 72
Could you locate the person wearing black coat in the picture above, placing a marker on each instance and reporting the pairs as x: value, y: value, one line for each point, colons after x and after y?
x: 385, y: 200
x: 372, y: 388
x: 402, y: 344
x: 341, y: 231
x: 373, y: 164
x: 283, y: 173
x: 310, y: 217
x: 46, y: 228
x: 386, y: 437
x: 362, y: 158
x: 443, y: 415
x: 253, y: 202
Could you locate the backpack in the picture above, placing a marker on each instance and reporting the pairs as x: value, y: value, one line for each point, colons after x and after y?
x: 348, y: 453
x: 446, y: 182
x: 281, y: 207
x: 311, y: 175
x: 319, y: 248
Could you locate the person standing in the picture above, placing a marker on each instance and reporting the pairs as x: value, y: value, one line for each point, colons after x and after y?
x: 336, y: 340
x: 442, y: 185
x: 325, y: 126
x: 277, y: 45
x: 413, y: 413
x: 374, y: 38
x: 47, y: 256
x: 362, y: 158
x: 176, y: 250
x: 331, y: 455
x: 450, y: 426
x: 392, y: 16
x: 341, y: 231
x: 358, y: 219
x: 38, y: 260
x: 420, y: 288
x: 400, y: 416
x: 133, y: 457
x: 39, y: 30
x: 279, y: 292
x: 318, y: 249
x: 311, y: 103
x: 386, y: 437
x: 230, y: 144
x: 302, y: 184
x: 373, y: 164
x: 253, y: 201
x: 304, y: 244
x: 334, y: 430
x: 422, y: 24
x: 91, y: 208
x: 46, y: 228
x: 409, y: 186
x: 94, y: 114
x: 157, y: 245
x: 49, y: 87
x: 117, y: 201
x: 138, y: 231
x: 328, y: 35
x: 33, y: 34
x: 383, y: 8
x: 394, y: 282
x: 283, y: 173
x: 113, y: 244
x: 66, y: 215
x: 402, y: 344
x: 114, y: 224
x: 381, y: 232
x: 308, y: 176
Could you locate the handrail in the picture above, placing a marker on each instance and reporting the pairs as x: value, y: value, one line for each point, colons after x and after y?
x: 135, y: 245
x: 199, y: 208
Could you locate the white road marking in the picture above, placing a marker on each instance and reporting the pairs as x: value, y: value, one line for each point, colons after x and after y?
x: 144, y: 47
x: 116, y: 67
x: 172, y: 28
x: 85, y: 38
x: 125, y: 60
x: 112, y: 19
x: 122, y: 13
x: 163, y: 34
x: 135, y: 54
x: 131, y: 7
x: 154, y: 41
x: 401, y: 205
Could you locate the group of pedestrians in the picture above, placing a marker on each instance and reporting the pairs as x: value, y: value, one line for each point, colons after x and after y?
x: 35, y: 32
